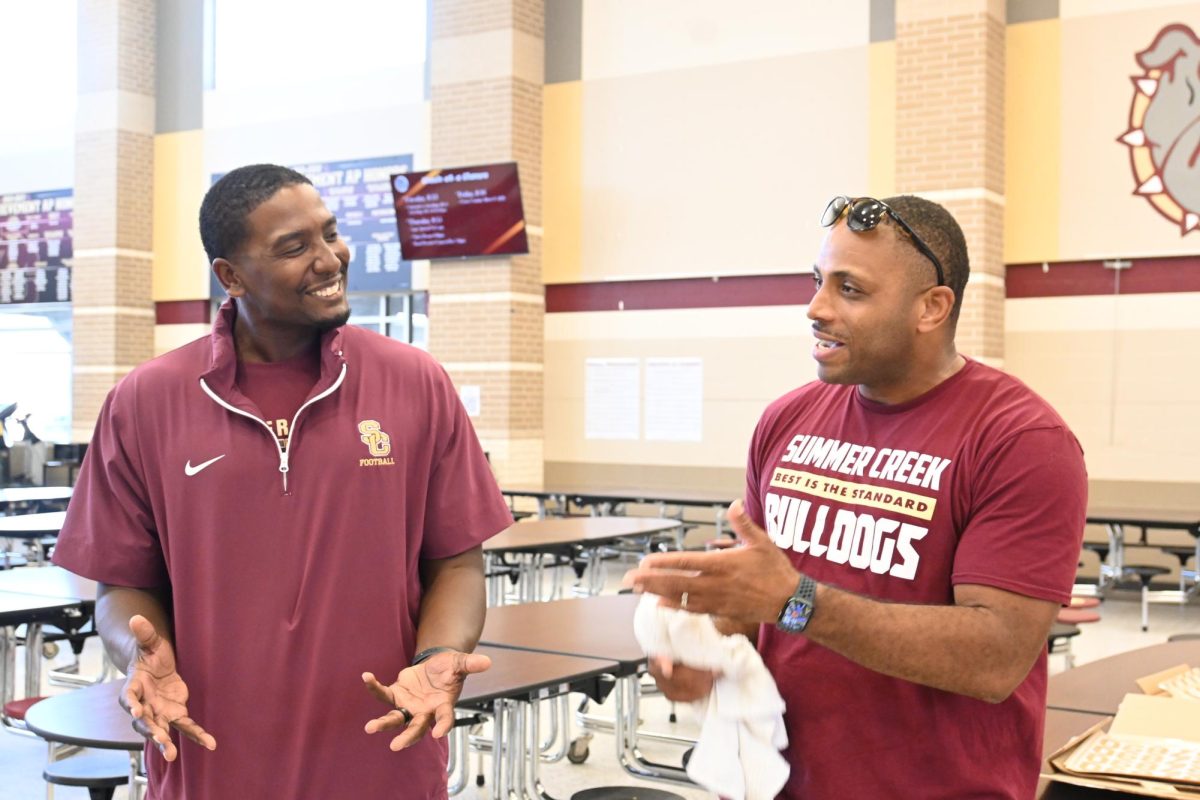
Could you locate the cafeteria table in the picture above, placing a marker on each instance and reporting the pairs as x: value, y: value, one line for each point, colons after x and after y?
x: 30, y: 528
x: 561, y: 499
x: 33, y: 611
x: 512, y: 692
x: 1116, y: 521
x: 17, y: 495
x: 595, y: 627
x: 1099, y: 686
x: 521, y: 550
x: 56, y: 582
x: 89, y: 717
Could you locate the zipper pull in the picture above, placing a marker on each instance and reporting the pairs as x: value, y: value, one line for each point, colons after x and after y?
x: 283, y: 468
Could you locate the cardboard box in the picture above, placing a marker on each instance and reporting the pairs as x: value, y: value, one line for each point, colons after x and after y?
x: 1164, y: 723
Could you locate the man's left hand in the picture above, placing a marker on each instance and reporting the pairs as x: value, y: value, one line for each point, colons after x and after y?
x: 427, y: 692
x: 746, y: 584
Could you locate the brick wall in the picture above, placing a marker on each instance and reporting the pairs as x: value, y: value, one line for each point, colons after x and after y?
x: 114, y: 166
x: 486, y: 315
x: 950, y: 141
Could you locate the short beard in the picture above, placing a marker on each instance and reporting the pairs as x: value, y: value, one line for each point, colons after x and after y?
x: 334, y: 322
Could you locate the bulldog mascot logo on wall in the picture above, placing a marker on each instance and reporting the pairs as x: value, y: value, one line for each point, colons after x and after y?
x: 1164, y: 126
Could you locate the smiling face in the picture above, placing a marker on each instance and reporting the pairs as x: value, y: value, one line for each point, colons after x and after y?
x: 289, y: 275
x: 872, y: 313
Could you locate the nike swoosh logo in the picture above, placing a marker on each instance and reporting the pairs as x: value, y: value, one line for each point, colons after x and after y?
x: 189, y: 470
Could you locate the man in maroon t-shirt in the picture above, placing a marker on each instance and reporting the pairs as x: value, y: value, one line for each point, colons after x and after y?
x: 276, y: 513
x: 912, y: 523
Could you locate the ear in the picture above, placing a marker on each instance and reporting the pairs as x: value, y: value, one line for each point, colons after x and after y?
x: 228, y: 276
x: 936, y: 306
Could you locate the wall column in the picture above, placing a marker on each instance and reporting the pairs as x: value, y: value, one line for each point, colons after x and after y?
x: 950, y: 141
x: 486, y: 314
x: 114, y: 167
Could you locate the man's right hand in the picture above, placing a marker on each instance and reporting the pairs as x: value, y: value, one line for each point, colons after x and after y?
x: 680, y: 683
x: 155, y: 695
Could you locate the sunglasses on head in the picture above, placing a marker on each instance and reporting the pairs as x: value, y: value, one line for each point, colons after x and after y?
x: 865, y: 213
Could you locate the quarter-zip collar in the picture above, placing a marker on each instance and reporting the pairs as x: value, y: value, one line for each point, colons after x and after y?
x: 222, y: 370
x: 219, y: 380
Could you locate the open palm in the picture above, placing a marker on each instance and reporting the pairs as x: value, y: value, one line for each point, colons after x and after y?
x: 428, y: 692
x: 155, y: 694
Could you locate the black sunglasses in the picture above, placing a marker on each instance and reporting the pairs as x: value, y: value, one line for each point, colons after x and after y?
x: 866, y: 213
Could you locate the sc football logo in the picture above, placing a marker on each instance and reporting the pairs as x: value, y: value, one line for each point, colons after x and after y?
x: 1164, y: 126
x: 378, y: 443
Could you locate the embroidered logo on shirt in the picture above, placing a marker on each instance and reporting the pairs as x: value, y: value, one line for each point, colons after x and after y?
x: 189, y: 470
x: 378, y: 443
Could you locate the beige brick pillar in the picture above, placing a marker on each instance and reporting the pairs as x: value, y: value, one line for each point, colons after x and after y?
x: 114, y: 166
x: 486, y: 315
x: 950, y: 141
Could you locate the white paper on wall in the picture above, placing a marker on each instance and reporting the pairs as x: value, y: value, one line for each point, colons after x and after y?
x: 674, y: 399
x: 470, y: 399
x: 612, y: 398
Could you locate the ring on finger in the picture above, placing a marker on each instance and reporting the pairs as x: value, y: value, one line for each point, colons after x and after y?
x: 408, y: 715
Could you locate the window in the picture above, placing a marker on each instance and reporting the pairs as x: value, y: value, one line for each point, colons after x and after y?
x: 35, y: 366
x: 400, y: 316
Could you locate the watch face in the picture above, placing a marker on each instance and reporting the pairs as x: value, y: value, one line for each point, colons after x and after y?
x: 795, y: 615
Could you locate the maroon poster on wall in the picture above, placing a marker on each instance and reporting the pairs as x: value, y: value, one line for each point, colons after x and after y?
x: 36, y: 248
x: 465, y: 211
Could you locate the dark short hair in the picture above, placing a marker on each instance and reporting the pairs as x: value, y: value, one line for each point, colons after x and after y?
x: 232, y: 198
x: 941, y: 232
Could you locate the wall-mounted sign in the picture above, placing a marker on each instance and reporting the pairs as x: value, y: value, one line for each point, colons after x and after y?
x: 36, y: 247
x: 1163, y: 135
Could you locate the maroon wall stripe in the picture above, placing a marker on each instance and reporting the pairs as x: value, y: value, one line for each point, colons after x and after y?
x: 1076, y: 278
x: 175, y: 312
x: 1061, y: 279
x: 735, y: 290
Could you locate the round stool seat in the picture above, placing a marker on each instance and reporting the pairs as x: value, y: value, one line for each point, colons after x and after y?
x: 1077, y: 616
x: 1144, y: 574
x: 624, y: 793
x: 1085, y: 602
x: 15, y: 709
x: 100, y: 769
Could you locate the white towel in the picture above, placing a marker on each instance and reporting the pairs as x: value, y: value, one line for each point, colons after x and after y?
x: 737, y: 755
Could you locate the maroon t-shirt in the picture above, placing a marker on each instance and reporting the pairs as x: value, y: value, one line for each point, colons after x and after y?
x: 292, y: 571
x: 978, y: 481
x: 279, y: 388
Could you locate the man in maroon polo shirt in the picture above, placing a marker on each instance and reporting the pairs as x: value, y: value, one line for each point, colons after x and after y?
x: 278, y: 512
x: 911, y: 524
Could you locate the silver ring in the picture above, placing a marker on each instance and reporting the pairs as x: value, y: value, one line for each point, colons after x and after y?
x: 683, y: 601
x: 408, y: 716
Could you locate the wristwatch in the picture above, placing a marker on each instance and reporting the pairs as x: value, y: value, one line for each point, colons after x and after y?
x: 798, y: 610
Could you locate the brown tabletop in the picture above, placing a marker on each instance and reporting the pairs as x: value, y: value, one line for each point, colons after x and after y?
x: 597, y: 627
x: 48, y: 581
x: 1099, y: 686
x: 525, y: 675
x: 34, y: 494
x: 1145, y: 518
x: 88, y: 717
x: 28, y: 526
x: 1061, y: 727
x: 544, y: 534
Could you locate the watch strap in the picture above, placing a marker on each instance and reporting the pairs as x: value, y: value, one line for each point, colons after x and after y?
x: 428, y: 653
